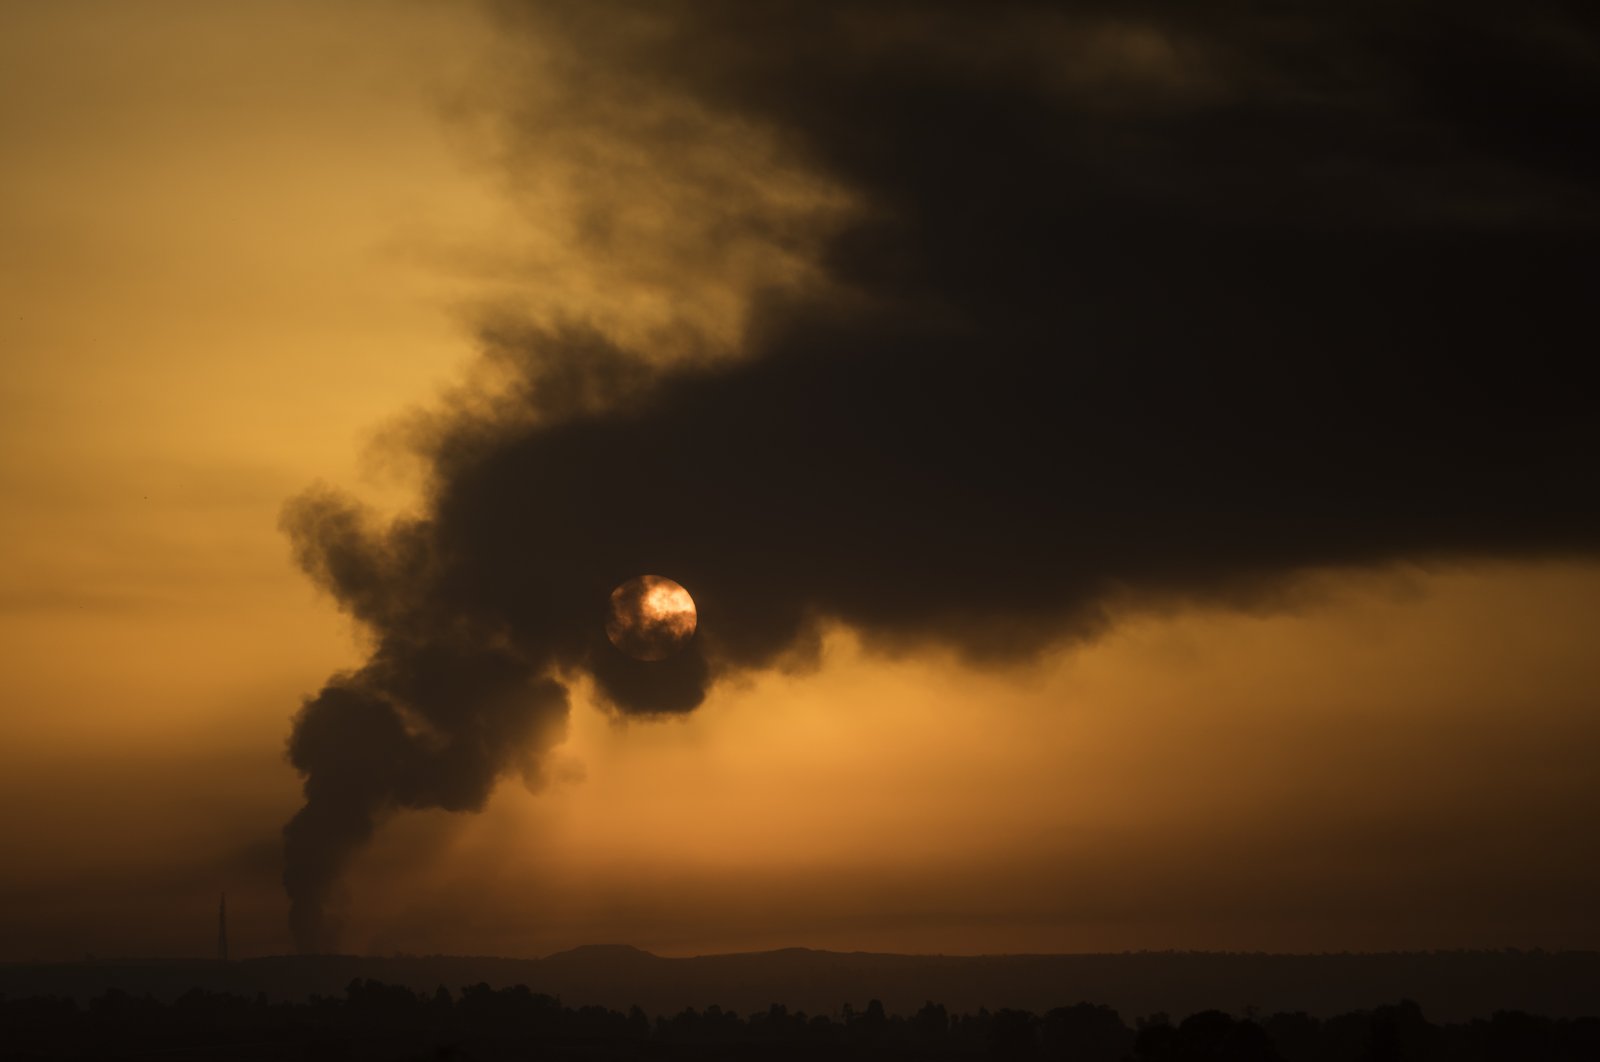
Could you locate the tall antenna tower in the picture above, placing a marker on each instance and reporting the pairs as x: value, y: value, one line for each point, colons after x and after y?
x: 222, y: 929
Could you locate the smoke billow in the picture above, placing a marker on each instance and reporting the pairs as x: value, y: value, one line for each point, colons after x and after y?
x: 1147, y: 307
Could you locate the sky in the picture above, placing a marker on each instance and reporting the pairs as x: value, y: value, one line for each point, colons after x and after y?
x: 1131, y: 469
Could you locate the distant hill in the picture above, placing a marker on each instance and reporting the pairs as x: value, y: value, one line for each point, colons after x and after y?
x: 1449, y: 986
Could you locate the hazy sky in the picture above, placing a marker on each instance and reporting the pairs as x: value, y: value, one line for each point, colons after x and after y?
x: 1124, y: 466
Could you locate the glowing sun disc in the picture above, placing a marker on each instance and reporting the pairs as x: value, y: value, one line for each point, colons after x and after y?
x: 651, y: 617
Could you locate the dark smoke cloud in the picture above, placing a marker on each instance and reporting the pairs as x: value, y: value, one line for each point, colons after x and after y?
x: 1151, y: 303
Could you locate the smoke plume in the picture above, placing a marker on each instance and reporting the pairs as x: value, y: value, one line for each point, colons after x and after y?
x: 1132, y: 307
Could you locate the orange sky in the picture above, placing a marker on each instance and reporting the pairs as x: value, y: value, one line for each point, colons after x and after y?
x: 240, y: 241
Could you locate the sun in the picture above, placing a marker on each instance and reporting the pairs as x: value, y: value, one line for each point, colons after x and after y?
x: 651, y: 617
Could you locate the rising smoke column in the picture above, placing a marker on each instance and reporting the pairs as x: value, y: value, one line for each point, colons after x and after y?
x: 434, y: 717
x: 1219, y: 302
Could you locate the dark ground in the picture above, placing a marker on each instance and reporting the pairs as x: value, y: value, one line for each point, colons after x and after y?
x: 1448, y: 986
x: 373, y: 1020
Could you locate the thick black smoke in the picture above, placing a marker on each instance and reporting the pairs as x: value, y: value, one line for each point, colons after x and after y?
x: 1140, y: 302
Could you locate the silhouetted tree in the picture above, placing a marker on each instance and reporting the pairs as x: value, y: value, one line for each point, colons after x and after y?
x: 931, y: 1025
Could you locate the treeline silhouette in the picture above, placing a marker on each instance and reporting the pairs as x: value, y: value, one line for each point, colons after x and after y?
x: 374, y: 1020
